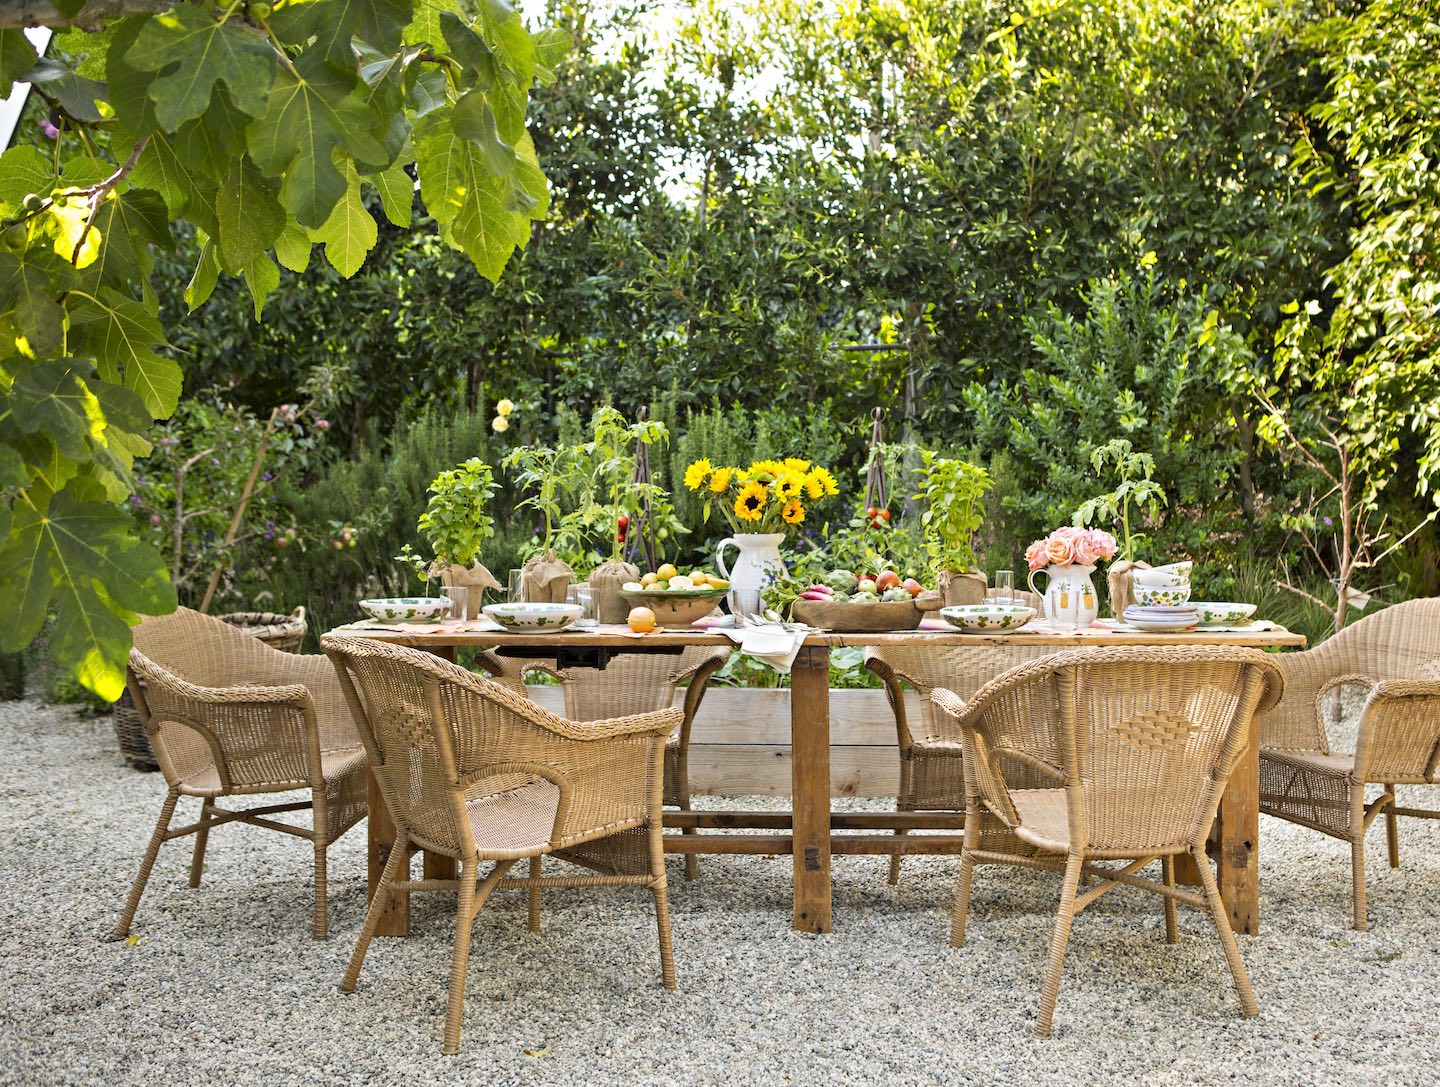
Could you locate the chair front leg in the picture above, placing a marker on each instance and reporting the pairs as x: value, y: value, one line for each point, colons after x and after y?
x: 202, y: 838
x: 321, y: 815
x: 1392, y: 827
x: 659, y: 889
x: 1357, y: 857
x: 682, y: 801
x: 1050, y: 992
x: 904, y: 801
x: 162, y: 825
x: 532, y: 920
x: 472, y: 897
x: 1172, y: 920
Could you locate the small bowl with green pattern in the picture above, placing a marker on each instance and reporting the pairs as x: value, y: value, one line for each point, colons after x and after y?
x: 1223, y: 614
x: 1148, y: 597
x: 407, y: 609
x: 534, y: 618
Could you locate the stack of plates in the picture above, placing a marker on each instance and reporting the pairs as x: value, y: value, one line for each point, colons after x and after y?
x: 1162, y: 620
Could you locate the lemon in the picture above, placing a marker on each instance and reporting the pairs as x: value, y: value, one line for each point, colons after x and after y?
x: 641, y: 620
x: 632, y: 587
x: 649, y: 579
x: 719, y: 583
x: 666, y: 572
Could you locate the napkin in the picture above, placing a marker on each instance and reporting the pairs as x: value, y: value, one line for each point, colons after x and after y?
x: 774, y: 643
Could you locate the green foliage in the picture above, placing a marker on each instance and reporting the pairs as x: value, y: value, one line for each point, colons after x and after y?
x: 258, y: 131
x: 455, y: 523
x: 953, y: 491
x: 1137, y: 367
x: 1136, y: 486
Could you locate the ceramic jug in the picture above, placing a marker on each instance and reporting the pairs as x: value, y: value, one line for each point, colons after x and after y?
x: 757, y: 564
x: 1069, y: 598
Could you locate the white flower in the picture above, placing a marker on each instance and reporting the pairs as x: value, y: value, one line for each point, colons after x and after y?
x: 499, y: 424
x: 504, y: 408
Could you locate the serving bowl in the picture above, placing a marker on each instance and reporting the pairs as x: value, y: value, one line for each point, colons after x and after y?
x: 675, y: 608
x: 1171, y: 576
x: 407, y: 609
x: 1223, y: 614
x: 1148, y: 596
x: 988, y: 618
x: 534, y: 618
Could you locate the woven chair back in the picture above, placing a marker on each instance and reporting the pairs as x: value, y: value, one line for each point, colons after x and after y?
x: 1398, y: 642
x: 1142, y: 739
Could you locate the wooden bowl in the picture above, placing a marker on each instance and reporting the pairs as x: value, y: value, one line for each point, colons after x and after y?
x: 847, y: 618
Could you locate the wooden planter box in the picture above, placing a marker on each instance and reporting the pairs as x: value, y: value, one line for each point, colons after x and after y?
x: 740, y: 744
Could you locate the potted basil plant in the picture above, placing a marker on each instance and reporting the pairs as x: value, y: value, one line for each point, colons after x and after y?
x: 953, y: 491
x: 456, y: 526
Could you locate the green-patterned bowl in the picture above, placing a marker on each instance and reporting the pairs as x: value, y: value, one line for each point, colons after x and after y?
x: 534, y: 618
x: 988, y: 618
x: 407, y: 609
x: 1227, y: 614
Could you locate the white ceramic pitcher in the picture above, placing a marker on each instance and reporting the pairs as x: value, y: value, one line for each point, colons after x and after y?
x: 758, y: 564
x: 1069, y: 599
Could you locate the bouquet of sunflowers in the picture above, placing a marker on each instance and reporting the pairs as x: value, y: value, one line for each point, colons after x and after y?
x: 768, y: 496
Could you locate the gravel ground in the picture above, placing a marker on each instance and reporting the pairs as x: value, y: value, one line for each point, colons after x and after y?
x: 225, y: 985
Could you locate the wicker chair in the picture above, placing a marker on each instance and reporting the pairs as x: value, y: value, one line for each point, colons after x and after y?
x: 227, y: 715
x: 471, y: 770
x: 932, y: 776
x: 1138, y: 744
x: 1395, y: 655
x: 630, y: 683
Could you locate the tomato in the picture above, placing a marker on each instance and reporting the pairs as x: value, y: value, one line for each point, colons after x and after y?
x: 870, y: 512
x: 885, y: 515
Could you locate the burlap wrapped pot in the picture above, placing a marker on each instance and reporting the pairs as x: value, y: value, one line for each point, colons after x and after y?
x: 1121, y: 586
x: 963, y: 588
x: 465, y: 586
x: 605, y: 582
x: 545, y: 579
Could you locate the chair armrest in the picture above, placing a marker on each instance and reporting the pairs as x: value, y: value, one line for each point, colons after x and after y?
x: 895, y: 695
x: 1399, y: 735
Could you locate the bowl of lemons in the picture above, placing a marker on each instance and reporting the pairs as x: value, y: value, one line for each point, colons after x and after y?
x: 676, y: 599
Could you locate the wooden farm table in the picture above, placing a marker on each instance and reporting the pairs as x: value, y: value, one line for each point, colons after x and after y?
x: 809, y: 840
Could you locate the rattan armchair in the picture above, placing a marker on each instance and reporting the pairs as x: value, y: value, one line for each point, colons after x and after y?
x: 630, y: 683
x: 1395, y: 655
x: 932, y: 775
x: 1137, y: 744
x: 471, y: 770
x: 229, y: 716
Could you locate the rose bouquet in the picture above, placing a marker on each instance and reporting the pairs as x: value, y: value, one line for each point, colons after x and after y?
x: 1070, y: 546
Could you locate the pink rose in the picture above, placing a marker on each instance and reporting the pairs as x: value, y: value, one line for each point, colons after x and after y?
x: 1104, y: 544
x: 1060, y: 550
x: 1035, y: 555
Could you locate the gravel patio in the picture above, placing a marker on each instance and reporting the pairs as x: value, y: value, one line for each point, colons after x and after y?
x: 224, y: 984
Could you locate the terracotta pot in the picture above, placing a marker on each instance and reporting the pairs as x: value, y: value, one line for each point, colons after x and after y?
x: 963, y: 588
x: 605, y: 582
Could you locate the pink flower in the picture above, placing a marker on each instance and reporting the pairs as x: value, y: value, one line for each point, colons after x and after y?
x: 1035, y: 555
x: 1060, y: 549
x: 1105, y: 544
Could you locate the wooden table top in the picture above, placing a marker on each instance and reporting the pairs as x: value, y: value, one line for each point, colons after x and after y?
x: 620, y: 637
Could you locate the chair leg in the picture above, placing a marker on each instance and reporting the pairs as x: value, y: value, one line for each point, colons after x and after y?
x: 961, y: 910
x: 202, y: 838
x: 1248, y: 1004
x: 895, y: 859
x: 682, y: 801
x: 1172, y: 920
x: 1357, y: 878
x: 1058, y: 943
x: 167, y: 811
x: 662, y: 905
x: 532, y: 921
x: 399, y: 853
x: 1392, y: 828
x: 460, y: 957
x: 321, y: 930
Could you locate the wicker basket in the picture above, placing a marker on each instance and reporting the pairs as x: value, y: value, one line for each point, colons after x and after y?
x: 284, y: 632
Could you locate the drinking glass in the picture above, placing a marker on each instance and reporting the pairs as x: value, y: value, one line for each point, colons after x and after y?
x: 1004, y: 586
x: 516, y: 594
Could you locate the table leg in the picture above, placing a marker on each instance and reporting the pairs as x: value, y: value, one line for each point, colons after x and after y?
x: 1238, y: 839
x: 810, y: 783
x: 395, y: 921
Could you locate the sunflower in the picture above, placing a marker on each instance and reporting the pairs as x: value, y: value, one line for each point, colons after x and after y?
x: 721, y: 479
x: 765, y: 467
x: 751, y: 501
x: 795, y: 464
x: 814, y: 489
x: 824, y: 478
x: 697, y: 474
x: 789, y: 484
x: 794, y: 512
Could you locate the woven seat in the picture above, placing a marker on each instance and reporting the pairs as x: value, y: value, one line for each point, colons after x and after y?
x: 473, y: 770
x: 227, y: 715
x: 1141, y: 741
x: 630, y: 683
x: 1394, y: 656
x: 932, y: 769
